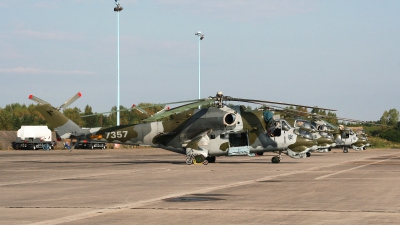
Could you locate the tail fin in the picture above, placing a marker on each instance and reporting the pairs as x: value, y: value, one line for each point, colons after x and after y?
x: 61, y: 124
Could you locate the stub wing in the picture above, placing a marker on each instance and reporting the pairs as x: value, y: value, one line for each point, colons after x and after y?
x: 201, y: 139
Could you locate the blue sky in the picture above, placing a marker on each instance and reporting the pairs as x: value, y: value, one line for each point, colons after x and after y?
x: 343, y: 55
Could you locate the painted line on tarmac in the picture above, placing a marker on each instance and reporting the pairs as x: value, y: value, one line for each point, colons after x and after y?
x: 357, y: 167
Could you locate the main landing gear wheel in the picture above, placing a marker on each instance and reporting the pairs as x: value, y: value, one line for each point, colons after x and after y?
x: 345, y: 150
x: 308, y: 154
x: 199, y: 159
x: 275, y: 159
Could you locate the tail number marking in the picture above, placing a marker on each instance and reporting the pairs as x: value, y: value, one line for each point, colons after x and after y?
x: 117, y: 134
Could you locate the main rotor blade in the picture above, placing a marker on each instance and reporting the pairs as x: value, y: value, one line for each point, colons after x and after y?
x: 350, y: 120
x: 179, y: 109
x: 38, y: 100
x: 70, y: 101
x: 149, y: 106
x: 338, y: 118
x: 273, y: 102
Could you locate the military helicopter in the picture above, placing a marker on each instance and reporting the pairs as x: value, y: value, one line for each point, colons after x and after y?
x: 362, y: 143
x: 305, y: 127
x: 328, y: 135
x: 344, y: 137
x: 200, y: 134
x: 324, y: 139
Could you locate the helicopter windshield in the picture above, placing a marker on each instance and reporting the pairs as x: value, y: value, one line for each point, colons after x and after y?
x: 329, y: 124
x: 285, y: 125
x: 303, y: 123
x: 303, y: 133
x: 324, y: 127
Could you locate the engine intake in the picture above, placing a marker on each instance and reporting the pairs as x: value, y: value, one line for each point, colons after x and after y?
x: 230, y: 119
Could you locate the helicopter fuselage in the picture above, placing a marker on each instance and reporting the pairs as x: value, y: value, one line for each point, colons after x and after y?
x: 215, y: 131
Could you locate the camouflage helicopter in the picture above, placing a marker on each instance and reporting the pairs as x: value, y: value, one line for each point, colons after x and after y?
x: 328, y: 135
x: 324, y: 139
x: 200, y: 134
x: 362, y: 143
x: 344, y: 136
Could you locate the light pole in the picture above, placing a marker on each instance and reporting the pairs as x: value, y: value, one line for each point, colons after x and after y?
x: 201, y: 37
x: 117, y: 9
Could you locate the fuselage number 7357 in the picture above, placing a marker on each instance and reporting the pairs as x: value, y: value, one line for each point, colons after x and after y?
x: 117, y: 134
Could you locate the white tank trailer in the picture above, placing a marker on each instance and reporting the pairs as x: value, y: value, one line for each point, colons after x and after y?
x: 33, y: 137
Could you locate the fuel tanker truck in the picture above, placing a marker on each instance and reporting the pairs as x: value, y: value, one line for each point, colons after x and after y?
x: 33, y: 137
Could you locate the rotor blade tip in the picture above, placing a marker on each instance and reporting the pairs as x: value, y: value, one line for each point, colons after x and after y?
x: 79, y: 94
x: 30, y: 96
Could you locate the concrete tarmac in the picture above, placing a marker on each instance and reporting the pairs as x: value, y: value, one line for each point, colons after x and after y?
x: 154, y: 186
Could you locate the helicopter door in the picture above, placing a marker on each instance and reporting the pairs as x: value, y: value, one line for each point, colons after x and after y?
x: 239, y: 144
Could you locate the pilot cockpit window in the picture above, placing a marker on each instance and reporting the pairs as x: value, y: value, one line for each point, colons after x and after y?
x: 322, y: 127
x: 303, y: 123
x: 314, y: 124
x: 285, y: 125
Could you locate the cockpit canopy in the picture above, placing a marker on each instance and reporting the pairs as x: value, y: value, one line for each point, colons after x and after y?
x: 282, y: 124
x: 324, y: 127
x: 305, y: 124
x: 303, y: 133
x: 279, y: 126
x: 323, y: 124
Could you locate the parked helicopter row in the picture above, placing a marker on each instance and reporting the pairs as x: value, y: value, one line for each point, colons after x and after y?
x: 221, y: 130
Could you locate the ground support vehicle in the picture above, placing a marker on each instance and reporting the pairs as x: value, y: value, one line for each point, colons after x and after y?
x: 33, y: 138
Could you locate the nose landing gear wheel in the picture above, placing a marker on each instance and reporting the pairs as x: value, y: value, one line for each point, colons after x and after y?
x: 189, y: 160
x: 275, y: 159
x: 345, y: 150
x: 308, y: 154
